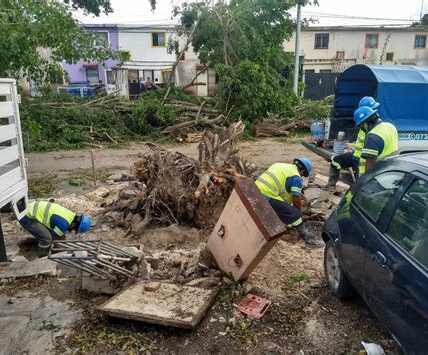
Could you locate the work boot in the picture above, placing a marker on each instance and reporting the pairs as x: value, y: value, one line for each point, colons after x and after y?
x: 308, y: 237
x: 43, y: 250
x: 332, y: 179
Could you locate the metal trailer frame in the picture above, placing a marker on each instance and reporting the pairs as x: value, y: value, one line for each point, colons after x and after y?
x: 13, y: 177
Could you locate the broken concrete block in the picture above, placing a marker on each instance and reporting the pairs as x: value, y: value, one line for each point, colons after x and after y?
x: 152, y: 286
x: 116, y: 177
x: 155, y: 263
x: 204, y: 282
x: 170, y: 305
x: 98, y: 285
x: 99, y: 194
x: 42, y: 266
x: 19, y: 259
x: 134, y: 251
x: 129, y: 193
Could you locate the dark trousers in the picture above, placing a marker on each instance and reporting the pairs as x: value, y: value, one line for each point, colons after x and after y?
x: 287, y: 213
x: 38, y: 230
x: 345, y: 161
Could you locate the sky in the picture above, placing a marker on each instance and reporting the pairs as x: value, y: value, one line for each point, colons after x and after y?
x: 330, y: 12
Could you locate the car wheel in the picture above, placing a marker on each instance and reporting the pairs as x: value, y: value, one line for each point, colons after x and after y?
x: 336, y: 279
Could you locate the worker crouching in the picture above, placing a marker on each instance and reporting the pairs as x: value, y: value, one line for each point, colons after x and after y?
x: 281, y: 185
x: 47, y: 220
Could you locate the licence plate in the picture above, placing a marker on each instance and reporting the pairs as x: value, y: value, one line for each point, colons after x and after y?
x: 413, y: 136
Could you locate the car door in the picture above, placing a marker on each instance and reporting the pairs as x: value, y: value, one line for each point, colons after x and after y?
x: 360, y: 216
x: 396, y: 269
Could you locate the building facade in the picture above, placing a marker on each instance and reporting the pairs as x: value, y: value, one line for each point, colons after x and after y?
x: 92, y: 72
x: 334, y: 49
x: 149, y: 58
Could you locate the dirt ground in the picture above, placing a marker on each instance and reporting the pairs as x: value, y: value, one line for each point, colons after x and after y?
x: 304, y: 316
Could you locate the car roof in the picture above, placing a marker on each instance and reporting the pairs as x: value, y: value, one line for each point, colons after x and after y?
x: 420, y: 158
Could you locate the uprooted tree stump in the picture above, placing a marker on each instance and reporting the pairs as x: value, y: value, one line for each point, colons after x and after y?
x: 173, y: 188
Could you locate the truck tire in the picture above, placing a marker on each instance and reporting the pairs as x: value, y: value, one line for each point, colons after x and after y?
x: 336, y: 278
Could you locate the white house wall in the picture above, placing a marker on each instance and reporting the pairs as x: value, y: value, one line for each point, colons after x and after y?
x: 400, y: 43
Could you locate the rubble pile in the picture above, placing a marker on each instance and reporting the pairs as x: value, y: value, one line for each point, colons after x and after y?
x: 170, y: 187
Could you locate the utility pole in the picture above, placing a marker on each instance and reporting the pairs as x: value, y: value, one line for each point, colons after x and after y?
x: 297, y: 51
x: 422, y: 10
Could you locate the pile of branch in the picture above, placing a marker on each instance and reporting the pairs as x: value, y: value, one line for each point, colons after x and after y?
x: 192, y: 115
x: 173, y: 188
x: 272, y: 127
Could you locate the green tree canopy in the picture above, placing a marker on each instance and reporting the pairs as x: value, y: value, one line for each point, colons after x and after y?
x: 36, y: 35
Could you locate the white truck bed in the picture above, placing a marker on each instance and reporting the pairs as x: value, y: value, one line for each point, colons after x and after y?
x: 13, y: 178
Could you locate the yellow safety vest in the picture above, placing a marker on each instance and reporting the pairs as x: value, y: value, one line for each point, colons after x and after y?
x: 388, y: 133
x: 272, y: 182
x: 42, y: 211
x: 358, y: 149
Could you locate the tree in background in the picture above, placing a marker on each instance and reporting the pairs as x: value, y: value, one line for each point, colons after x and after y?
x: 36, y: 35
x: 243, y: 41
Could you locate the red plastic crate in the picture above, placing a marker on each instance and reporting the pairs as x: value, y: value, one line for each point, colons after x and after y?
x: 254, y: 306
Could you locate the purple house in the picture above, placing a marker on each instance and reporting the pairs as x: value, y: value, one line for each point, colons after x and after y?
x: 92, y: 72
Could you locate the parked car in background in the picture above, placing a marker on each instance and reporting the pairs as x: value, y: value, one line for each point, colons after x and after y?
x: 78, y: 88
x: 377, y: 245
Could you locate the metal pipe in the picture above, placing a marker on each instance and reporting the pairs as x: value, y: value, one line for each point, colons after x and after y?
x: 297, y: 51
x: 113, y: 267
x: 80, y: 267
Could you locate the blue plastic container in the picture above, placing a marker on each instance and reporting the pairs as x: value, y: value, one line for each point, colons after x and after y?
x: 317, y: 131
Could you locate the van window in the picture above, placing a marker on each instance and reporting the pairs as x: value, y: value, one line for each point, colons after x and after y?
x: 376, y: 194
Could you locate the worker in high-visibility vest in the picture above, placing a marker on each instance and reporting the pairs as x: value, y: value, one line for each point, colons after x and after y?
x: 281, y: 185
x: 350, y: 159
x: 381, y: 138
x: 46, y: 220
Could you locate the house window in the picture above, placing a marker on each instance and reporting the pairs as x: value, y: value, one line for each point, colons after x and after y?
x: 92, y: 76
x: 372, y: 40
x: 389, y: 56
x: 166, y: 75
x: 101, y: 39
x: 110, y: 78
x: 159, y: 39
x: 420, y: 41
x: 340, y: 55
x: 321, y: 40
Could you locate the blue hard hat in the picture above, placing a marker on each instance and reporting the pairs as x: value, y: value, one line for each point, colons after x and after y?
x: 363, y: 113
x: 369, y: 102
x: 85, y: 224
x: 305, y: 164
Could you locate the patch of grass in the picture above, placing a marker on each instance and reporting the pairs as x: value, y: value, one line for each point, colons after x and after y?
x: 43, y: 187
x: 230, y: 290
x: 298, y: 277
x: 84, y: 179
x: 295, y: 136
x: 241, y: 332
x: 94, y: 335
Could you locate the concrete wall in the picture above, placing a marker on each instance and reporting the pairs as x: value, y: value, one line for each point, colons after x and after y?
x: 352, y: 42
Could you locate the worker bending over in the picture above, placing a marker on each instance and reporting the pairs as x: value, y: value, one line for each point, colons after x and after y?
x: 46, y: 220
x: 281, y: 185
x: 381, y: 138
x: 350, y: 159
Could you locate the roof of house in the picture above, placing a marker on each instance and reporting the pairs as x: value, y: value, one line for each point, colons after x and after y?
x: 416, y: 28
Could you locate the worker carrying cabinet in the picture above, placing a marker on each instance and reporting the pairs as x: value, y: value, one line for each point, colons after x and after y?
x: 245, y: 232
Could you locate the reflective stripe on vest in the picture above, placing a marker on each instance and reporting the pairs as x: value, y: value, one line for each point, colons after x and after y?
x: 42, y: 211
x: 272, y: 182
x: 359, y: 144
x: 388, y: 133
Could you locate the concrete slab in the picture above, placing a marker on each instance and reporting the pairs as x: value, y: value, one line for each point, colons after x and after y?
x: 15, y: 270
x: 170, y: 305
x: 322, y: 180
x: 30, y: 325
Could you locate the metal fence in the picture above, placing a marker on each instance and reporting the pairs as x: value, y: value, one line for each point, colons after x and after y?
x: 319, y: 85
